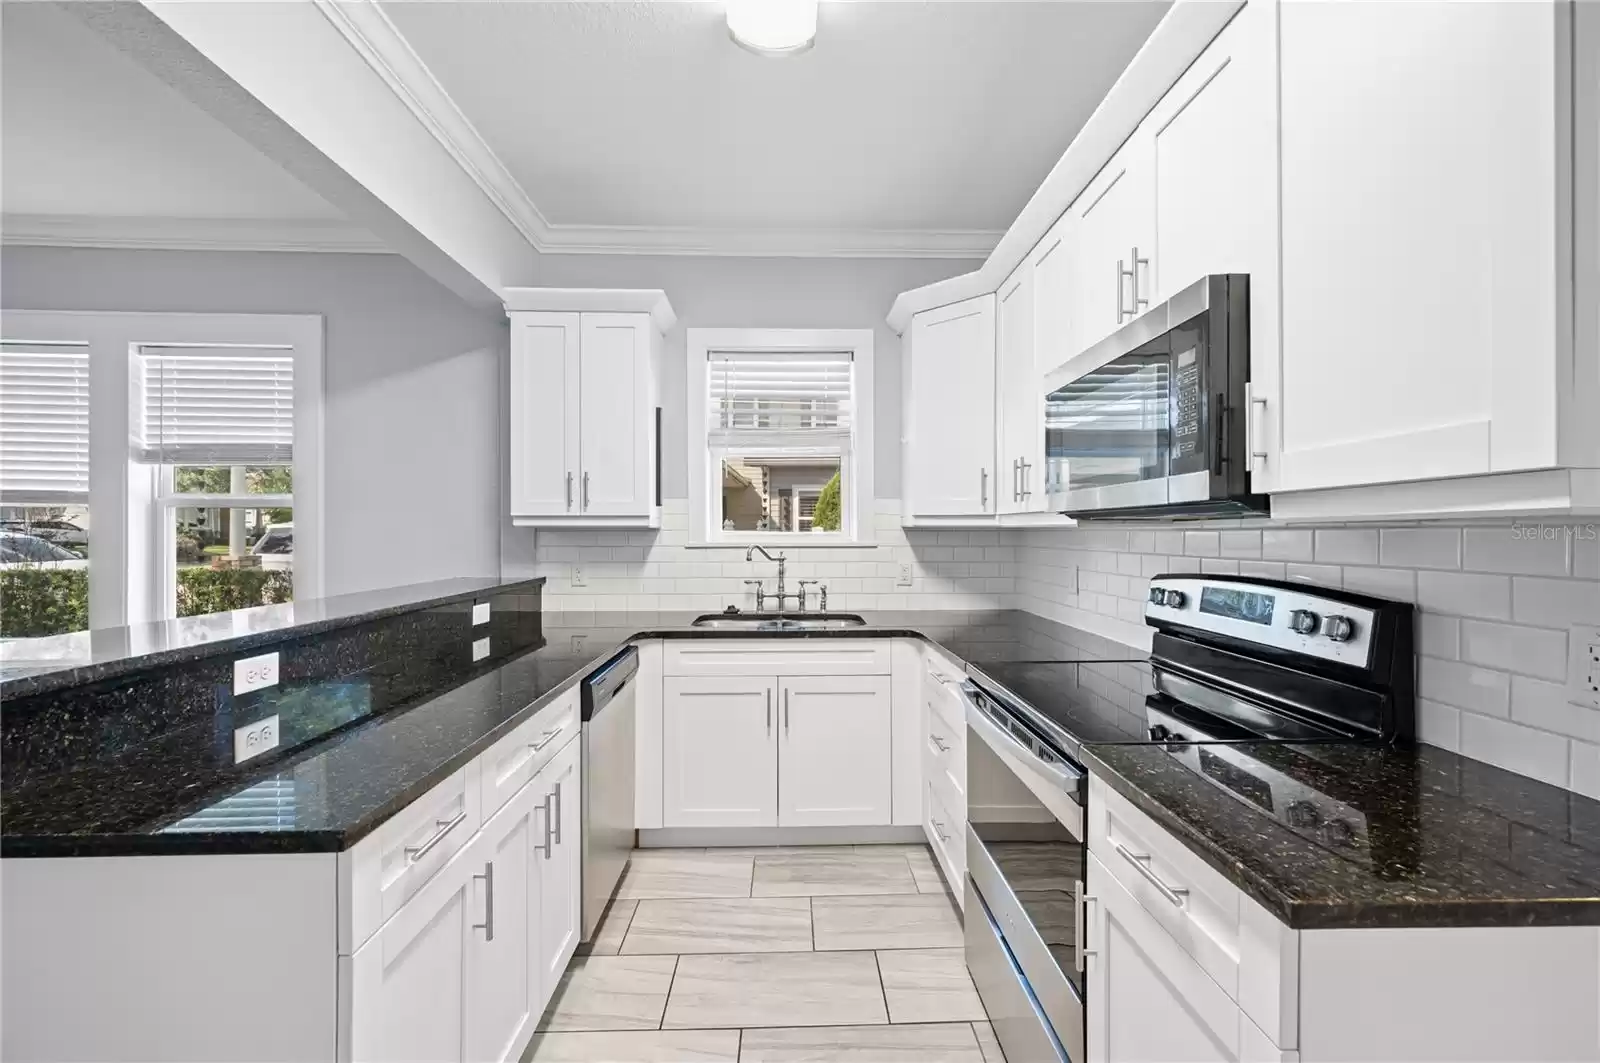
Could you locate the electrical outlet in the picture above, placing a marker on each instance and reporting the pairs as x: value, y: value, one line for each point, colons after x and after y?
x: 480, y: 650
x: 255, y: 673
x: 1583, y: 666
x: 578, y: 578
x: 480, y: 614
x: 254, y: 739
x: 905, y: 574
x: 577, y: 643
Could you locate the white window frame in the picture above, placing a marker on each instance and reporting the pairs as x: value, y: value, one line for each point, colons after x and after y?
x: 128, y: 567
x: 857, y: 500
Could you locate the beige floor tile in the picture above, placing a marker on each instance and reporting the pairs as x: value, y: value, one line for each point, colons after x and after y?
x: 613, y: 927
x: 775, y: 989
x: 638, y: 1046
x: 912, y: 921
x: 926, y: 872
x: 988, y: 1042
x: 929, y: 985
x: 723, y: 924
x: 784, y: 850
x: 671, y: 873
x: 611, y: 993
x: 820, y: 874
x: 932, y: 1043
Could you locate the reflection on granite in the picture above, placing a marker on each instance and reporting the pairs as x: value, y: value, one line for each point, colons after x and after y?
x: 38, y: 665
x: 126, y: 798
x: 1092, y: 701
x: 1431, y: 838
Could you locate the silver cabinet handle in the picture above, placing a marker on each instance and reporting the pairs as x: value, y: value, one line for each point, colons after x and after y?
x: 983, y: 489
x: 556, y: 816
x: 1176, y: 895
x: 786, y: 710
x: 1025, y: 492
x: 1133, y: 275
x: 938, y: 741
x: 547, y: 738
x: 1254, y: 433
x: 1121, y: 273
x: 1081, y: 934
x: 938, y: 828
x: 769, y: 711
x: 942, y: 680
x: 586, y: 490
x: 569, y: 490
x: 548, y: 829
x: 487, y: 926
x: 445, y: 826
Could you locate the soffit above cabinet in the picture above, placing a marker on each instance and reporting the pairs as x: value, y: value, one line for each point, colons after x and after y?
x: 652, y: 301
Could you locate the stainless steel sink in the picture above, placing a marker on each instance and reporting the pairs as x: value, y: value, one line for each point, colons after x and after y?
x: 793, y: 622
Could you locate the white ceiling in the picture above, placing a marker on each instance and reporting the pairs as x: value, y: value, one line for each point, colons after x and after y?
x: 85, y: 132
x: 907, y: 117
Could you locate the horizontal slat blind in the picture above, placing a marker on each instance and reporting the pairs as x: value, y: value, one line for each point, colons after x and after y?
x: 778, y: 395
x: 267, y: 805
x: 44, y: 423
x: 215, y: 406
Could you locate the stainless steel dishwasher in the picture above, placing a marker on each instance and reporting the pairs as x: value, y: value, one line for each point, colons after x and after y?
x: 608, y: 751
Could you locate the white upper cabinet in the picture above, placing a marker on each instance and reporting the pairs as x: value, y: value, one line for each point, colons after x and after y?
x: 949, y: 452
x: 1019, y: 410
x: 1425, y: 168
x: 1114, y: 251
x: 584, y: 406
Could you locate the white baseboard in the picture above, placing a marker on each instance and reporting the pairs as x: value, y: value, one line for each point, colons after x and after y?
x: 698, y: 837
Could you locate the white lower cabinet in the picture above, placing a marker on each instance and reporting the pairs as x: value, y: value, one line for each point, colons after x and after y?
x: 719, y: 754
x: 834, y: 751
x: 463, y: 970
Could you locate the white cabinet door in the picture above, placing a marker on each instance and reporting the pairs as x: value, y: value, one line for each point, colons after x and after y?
x: 558, y: 858
x: 719, y: 751
x: 1421, y: 240
x: 1055, y: 333
x: 950, y: 434
x: 615, y: 416
x: 544, y: 414
x: 1147, y: 1000
x: 1113, y: 260
x: 1216, y: 184
x: 1019, y: 411
x: 502, y: 978
x: 407, y: 990
x: 834, y: 751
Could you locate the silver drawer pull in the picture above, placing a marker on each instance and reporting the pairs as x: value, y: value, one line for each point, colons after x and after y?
x: 548, y: 737
x: 1141, y: 863
x: 938, y: 741
x: 555, y: 816
x: 417, y: 852
x: 487, y: 926
x: 938, y: 828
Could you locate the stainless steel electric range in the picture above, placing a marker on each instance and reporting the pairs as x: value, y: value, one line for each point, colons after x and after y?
x: 1235, y: 662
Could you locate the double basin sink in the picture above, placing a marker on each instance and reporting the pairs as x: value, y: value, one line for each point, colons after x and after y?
x: 779, y: 622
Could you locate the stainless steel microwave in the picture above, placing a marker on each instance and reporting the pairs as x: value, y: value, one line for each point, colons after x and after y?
x: 1149, y: 423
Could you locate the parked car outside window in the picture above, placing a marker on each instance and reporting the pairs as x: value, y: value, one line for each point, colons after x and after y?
x: 31, y: 551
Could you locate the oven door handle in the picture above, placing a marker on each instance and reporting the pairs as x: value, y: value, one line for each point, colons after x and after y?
x: 1071, y: 780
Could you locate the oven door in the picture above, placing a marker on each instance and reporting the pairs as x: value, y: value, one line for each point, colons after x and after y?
x: 1025, y: 859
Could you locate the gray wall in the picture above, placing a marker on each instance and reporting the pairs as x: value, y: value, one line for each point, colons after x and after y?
x: 765, y: 293
x: 412, y: 418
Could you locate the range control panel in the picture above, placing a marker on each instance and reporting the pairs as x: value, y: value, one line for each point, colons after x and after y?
x: 1266, y: 613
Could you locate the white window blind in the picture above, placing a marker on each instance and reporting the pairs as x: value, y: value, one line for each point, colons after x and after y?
x: 204, y: 406
x: 800, y: 398
x: 44, y: 423
x: 265, y: 806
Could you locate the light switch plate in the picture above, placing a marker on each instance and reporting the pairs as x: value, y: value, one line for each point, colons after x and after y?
x: 480, y: 614
x: 1583, y: 666
x: 255, y: 673
x: 254, y: 739
x: 480, y: 649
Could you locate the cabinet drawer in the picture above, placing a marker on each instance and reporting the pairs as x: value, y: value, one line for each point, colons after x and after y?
x: 776, y: 657
x: 392, y: 863
x: 508, y: 765
x: 947, y: 835
x: 944, y: 758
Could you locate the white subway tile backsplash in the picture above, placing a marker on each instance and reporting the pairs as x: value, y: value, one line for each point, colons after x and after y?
x: 1347, y: 546
x: 1286, y: 544
x: 1169, y: 542
x: 1321, y: 575
x: 1479, y: 690
x: 1241, y: 544
x: 1586, y: 769
x: 1510, y: 550
x: 1524, y: 750
x: 1397, y: 583
x: 1263, y: 569
x: 1202, y: 543
x: 1420, y: 547
x: 1464, y: 594
x: 1439, y: 724
x: 1438, y: 636
x: 1556, y: 602
x: 1544, y: 705
x: 1527, y: 650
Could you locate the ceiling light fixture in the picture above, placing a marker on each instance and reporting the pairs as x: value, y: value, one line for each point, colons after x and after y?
x: 773, y: 27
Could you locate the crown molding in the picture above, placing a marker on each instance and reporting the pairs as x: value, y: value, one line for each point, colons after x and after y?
x: 187, y: 234
x: 382, y: 46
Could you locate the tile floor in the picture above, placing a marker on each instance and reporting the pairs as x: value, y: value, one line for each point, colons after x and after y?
x: 821, y: 954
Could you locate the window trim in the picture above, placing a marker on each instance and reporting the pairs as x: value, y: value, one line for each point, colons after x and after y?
x: 124, y: 551
x: 858, y: 502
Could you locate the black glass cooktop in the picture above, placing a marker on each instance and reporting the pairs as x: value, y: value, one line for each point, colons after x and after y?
x: 1090, y: 701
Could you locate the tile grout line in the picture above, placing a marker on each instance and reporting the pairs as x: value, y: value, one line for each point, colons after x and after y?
x: 883, y: 991
x: 662, y: 1024
x: 623, y: 944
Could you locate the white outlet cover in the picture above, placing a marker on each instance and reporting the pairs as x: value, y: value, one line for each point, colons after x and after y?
x: 255, y: 673
x: 480, y: 614
x: 480, y: 649
x: 578, y: 578
x: 1583, y: 666
x: 906, y: 574
x: 254, y: 739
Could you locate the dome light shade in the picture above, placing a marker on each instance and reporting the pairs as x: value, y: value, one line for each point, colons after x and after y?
x: 773, y: 27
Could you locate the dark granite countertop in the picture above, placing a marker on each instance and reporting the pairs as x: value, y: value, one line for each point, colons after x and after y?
x: 1449, y: 841
x: 40, y: 665
x: 331, y: 794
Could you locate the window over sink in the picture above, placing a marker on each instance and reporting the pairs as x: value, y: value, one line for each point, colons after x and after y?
x: 780, y: 442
